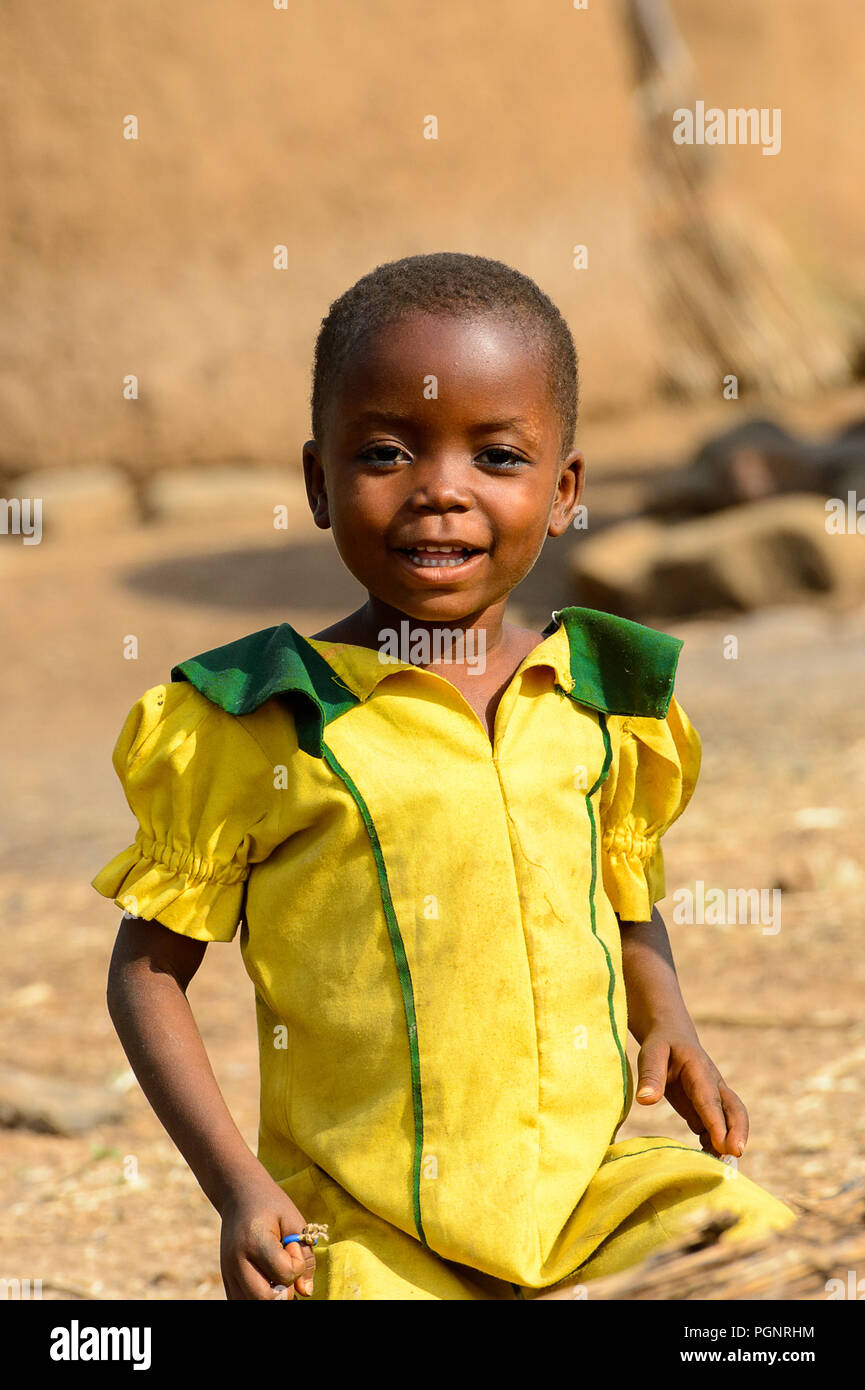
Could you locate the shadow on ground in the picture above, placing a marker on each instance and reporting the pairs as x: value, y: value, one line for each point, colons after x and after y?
x: 312, y: 576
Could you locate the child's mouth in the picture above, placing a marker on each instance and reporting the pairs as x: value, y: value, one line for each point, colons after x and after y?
x: 439, y: 557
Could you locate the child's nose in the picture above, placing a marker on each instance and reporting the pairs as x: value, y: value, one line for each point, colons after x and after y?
x: 442, y: 478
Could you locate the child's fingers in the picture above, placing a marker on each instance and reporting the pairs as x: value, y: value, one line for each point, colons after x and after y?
x: 299, y: 1262
x: 737, y: 1121
x: 292, y: 1265
x: 682, y: 1104
x: 247, y: 1283
x: 652, y: 1071
x: 704, y: 1097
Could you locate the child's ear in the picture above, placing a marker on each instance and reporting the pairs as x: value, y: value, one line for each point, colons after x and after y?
x: 316, y: 489
x: 568, y: 493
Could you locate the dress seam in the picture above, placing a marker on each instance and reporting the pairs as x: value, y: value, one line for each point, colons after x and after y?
x: 509, y: 821
x: 405, y: 981
x: 593, y: 829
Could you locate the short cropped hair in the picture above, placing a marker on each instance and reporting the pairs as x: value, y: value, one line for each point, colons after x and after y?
x: 447, y: 282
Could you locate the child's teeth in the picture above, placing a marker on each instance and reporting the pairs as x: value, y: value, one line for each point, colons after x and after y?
x: 443, y: 555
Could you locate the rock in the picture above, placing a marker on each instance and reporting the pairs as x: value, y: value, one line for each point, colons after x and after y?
x: 773, y: 551
x: 759, y: 459
x: 818, y: 817
x: 78, y: 500
x: 226, y: 493
x: 843, y: 461
x: 611, y: 568
x: 794, y: 874
x: 755, y: 459
x: 30, y: 996
x: 51, y: 1106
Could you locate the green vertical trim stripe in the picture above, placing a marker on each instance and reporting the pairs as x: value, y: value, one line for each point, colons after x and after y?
x: 608, y: 757
x: 404, y: 980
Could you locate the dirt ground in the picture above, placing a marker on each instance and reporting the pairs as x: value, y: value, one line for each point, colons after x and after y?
x: 780, y: 1013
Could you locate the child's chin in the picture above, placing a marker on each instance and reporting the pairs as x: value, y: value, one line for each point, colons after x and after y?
x: 434, y: 607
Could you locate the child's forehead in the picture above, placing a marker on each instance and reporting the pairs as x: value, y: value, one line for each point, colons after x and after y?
x: 482, y: 354
x: 504, y: 332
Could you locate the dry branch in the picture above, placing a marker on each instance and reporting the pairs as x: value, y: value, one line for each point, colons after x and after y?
x: 825, y: 1243
x: 731, y: 299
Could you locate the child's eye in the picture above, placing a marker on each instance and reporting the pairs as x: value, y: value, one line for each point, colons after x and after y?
x: 383, y: 454
x: 502, y: 458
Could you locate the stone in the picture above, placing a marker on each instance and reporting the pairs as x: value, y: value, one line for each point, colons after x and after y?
x: 611, y: 569
x: 755, y: 459
x: 758, y: 459
x: 79, y: 500
x: 773, y: 551
x: 228, y: 493
x: 52, y: 1106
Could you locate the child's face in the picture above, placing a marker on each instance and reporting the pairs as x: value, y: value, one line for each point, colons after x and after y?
x: 442, y: 430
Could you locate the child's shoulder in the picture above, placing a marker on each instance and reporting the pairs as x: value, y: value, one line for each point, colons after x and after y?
x: 244, y: 676
x: 173, y: 725
x: 241, y: 675
x: 618, y: 666
x: 222, y: 689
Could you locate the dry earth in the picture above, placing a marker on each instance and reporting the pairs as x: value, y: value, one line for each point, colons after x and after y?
x: 780, y: 1013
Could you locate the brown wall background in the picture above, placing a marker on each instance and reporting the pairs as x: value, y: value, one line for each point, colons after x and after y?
x: 304, y: 127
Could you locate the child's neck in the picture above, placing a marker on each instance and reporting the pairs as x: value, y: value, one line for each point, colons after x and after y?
x: 364, y: 627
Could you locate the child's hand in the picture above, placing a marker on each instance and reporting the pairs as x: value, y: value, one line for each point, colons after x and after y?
x: 673, y: 1063
x: 253, y: 1260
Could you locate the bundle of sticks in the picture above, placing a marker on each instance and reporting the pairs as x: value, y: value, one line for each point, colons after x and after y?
x: 816, y: 1258
x: 731, y: 298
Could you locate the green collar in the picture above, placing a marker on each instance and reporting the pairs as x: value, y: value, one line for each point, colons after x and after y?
x: 618, y: 667
x: 277, y: 661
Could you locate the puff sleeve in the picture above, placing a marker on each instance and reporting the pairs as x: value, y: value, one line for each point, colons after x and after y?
x: 202, y: 792
x: 652, y: 777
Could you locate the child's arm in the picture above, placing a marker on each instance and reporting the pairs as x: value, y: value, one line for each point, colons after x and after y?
x: 150, y: 970
x: 672, y: 1062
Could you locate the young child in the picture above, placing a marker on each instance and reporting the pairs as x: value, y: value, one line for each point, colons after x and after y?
x: 444, y: 865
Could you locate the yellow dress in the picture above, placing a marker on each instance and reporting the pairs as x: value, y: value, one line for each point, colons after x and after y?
x: 429, y: 921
